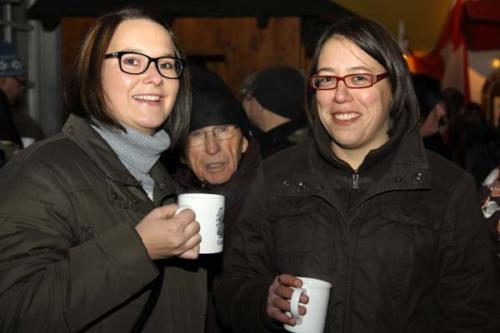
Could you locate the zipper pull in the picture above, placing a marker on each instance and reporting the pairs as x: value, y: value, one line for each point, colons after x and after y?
x: 355, y: 181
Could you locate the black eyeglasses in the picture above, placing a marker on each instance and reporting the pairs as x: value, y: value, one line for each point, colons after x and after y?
x: 354, y: 81
x: 136, y: 63
x: 221, y: 132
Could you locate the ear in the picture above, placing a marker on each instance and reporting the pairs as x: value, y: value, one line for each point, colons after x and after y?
x: 2, y: 81
x: 244, y: 145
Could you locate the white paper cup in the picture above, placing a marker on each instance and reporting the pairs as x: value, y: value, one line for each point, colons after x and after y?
x: 313, y: 321
x: 209, y: 210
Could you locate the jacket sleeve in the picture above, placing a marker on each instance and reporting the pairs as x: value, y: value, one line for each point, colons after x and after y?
x: 248, y: 269
x: 49, y: 282
x: 469, y: 290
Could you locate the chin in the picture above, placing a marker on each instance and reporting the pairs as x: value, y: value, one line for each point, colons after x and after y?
x: 217, y: 180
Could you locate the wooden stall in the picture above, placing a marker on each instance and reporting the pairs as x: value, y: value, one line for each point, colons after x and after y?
x: 231, y: 47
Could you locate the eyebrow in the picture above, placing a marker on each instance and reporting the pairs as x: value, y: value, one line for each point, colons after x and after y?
x: 142, y: 52
x: 350, y: 69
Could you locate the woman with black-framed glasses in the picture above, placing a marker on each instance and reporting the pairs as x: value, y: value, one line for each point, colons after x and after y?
x: 89, y: 238
x: 396, y: 230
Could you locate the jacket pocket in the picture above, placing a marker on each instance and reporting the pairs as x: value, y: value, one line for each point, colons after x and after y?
x: 304, y: 238
x: 394, y: 253
x: 393, y: 233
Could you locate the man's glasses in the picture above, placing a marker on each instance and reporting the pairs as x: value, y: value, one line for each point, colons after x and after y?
x: 354, y: 81
x: 136, y: 63
x: 220, y: 132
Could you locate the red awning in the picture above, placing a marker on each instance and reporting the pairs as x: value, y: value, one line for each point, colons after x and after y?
x: 481, y: 24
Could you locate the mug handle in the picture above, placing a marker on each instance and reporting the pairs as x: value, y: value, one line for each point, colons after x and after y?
x: 294, y: 302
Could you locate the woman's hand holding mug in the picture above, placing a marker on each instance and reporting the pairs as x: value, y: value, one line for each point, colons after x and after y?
x: 166, y: 234
x: 279, y: 294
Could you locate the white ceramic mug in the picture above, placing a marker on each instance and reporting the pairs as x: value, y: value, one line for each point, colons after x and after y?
x: 209, y: 210
x: 313, y: 321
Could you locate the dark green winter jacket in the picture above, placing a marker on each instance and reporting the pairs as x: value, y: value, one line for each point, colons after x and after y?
x: 70, y: 258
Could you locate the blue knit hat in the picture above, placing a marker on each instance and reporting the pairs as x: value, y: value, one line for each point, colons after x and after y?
x: 10, y: 65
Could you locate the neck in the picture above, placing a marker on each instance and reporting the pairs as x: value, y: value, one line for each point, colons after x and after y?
x: 270, y: 120
x: 352, y: 157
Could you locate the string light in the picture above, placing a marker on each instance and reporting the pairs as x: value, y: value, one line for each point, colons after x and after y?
x: 495, y: 63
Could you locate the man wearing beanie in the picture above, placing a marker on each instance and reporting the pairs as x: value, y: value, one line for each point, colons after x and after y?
x: 219, y: 156
x: 10, y: 68
x: 274, y: 102
x: 432, y: 113
x: 17, y: 129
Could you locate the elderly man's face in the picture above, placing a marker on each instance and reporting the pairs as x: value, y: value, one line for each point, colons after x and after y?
x: 214, y: 152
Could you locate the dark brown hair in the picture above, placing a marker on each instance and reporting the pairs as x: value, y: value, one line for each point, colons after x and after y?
x: 375, y: 40
x: 84, y: 93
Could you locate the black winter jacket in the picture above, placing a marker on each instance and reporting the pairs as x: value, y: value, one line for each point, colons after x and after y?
x: 402, y: 241
x: 70, y: 258
x: 235, y: 192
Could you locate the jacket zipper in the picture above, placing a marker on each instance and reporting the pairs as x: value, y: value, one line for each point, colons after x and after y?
x: 355, y: 181
x: 351, y: 231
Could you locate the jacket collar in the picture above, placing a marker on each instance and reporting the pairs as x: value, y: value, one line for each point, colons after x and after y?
x: 164, y: 184
x: 401, y: 164
x: 82, y: 134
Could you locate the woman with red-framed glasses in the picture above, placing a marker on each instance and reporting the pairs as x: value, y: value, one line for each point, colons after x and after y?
x: 394, y: 229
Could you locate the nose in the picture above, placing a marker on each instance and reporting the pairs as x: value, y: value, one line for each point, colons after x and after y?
x: 212, y: 145
x: 152, y: 74
x: 342, y: 93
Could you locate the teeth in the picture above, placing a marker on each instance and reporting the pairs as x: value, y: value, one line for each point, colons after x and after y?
x: 214, y: 165
x: 151, y: 98
x: 346, y: 116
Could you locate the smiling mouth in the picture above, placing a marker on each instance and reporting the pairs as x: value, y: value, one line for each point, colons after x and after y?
x: 147, y: 98
x: 346, y: 116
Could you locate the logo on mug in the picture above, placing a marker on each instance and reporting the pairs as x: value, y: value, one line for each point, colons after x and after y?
x: 220, y: 225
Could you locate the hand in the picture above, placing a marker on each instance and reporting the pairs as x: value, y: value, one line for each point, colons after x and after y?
x: 278, y: 298
x: 166, y: 234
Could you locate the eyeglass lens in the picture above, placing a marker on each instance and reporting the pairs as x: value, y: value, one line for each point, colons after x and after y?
x: 134, y: 63
x: 351, y: 81
x: 224, y: 132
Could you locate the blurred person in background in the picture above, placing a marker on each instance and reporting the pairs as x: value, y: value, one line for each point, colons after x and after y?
x: 220, y: 156
x: 481, y: 142
x: 490, y: 205
x: 274, y: 102
x: 13, y: 83
x: 12, y: 76
x: 432, y: 114
x: 451, y: 129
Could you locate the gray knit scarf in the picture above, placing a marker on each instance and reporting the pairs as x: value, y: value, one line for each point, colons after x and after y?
x: 137, y: 151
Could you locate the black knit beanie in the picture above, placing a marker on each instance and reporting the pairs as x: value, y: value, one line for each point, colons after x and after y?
x: 214, y: 103
x: 280, y: 90
x: 428, y: 91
